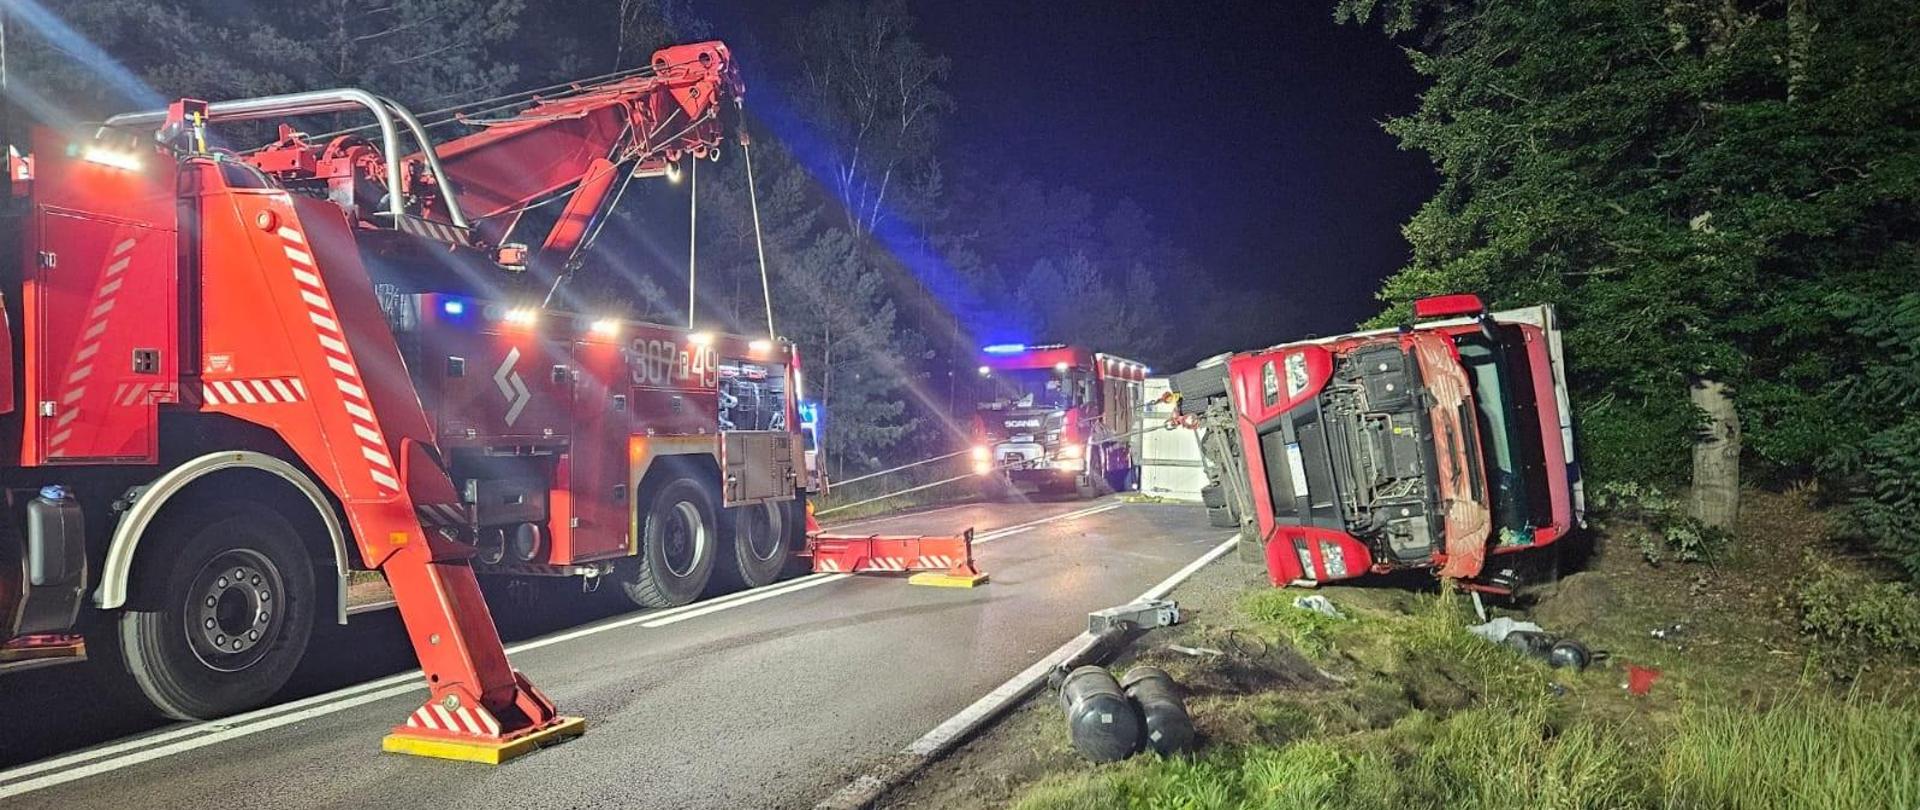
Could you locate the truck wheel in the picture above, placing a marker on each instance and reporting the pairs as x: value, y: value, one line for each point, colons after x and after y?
x: 222, y: 631
x: 676, y: 548
x: 1220, y: 517
x: 756, y: 551
x: 1214, y: 496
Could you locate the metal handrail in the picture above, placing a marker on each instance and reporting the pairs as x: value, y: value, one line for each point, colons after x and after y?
x: 340, y: 99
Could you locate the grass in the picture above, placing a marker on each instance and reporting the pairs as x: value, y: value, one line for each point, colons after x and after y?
x: 1810, y: 751
x: 1429, y: 716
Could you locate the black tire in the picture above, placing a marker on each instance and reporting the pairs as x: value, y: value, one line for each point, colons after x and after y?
x: 754, y: 551
x: 797, y: 563
x: 678, y: 539
x: 227, y: 621
x: 1197, y: 385
x: 1214, y: 496
x: 1222, y: 517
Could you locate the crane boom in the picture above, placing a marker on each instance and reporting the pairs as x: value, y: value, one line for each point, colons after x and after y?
x: 584, y: 140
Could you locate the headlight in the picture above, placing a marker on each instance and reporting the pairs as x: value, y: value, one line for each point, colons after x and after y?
x: 1071, y: 451
x: 1296, y: 374
x: 980, y: 453
x: 982, y: 467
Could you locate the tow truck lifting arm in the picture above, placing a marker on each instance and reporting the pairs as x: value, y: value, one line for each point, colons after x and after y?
x: 586, y: 140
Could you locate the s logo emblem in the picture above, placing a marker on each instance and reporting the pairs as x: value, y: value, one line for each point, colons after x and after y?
x: 511, y: 386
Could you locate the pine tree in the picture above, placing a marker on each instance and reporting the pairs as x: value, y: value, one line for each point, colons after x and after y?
x: 1712, y: 192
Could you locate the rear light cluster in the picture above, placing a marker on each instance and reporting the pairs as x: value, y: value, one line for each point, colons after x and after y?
x: 1333, y: 558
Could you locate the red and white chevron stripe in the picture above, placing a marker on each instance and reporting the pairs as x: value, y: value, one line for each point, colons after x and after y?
x: 463, y: 720
x: 263, y: 391
x: 131, y: 394
x: 936, y: 561
x: 886, y: 564
x: 435, y: 230
x: 104, y: 298
x: 346, y: 374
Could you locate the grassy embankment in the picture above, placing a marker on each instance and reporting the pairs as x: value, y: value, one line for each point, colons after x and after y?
x: 1397, y: 706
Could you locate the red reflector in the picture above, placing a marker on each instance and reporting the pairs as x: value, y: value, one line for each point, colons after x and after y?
x: 1446, y: 306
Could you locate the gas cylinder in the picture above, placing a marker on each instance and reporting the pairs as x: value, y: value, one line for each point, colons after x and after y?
x: 1169, y: 728
x: 1103, y: 723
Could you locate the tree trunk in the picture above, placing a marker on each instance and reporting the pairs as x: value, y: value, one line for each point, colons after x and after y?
x: 1799, y: 42
x: 1716, y: 456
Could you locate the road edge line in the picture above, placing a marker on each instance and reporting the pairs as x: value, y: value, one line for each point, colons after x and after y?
x: 867, y: 788
x: 33, y: 776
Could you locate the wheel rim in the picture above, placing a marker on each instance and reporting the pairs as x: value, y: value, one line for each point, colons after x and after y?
x: 763, y: 539
x: 233, y: 610
x: 684, y: 540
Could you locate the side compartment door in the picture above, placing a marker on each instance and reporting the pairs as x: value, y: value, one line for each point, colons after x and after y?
x: 599, y: 503
x: 758, y: 465
x: 101, y: 336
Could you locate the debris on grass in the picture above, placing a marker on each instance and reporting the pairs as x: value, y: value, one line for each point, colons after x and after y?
x: 1498, y: 629
x: 1319, y: 604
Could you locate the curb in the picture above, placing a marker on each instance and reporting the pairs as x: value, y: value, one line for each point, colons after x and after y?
x: 867, y: 788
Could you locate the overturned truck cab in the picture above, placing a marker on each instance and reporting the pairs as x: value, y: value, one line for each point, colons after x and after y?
x: 1437, y: 445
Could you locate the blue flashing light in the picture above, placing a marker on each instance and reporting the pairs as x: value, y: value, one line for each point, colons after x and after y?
x: 453, y: 307
x: 1005, y: 348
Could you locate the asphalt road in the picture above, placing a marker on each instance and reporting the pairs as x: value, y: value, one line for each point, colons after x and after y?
x: 770, y: 698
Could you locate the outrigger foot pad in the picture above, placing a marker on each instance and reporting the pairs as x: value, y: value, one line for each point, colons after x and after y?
x: 489, y: 752
x: 936, y: 579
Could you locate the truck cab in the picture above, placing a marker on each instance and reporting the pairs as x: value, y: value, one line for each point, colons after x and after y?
x: 1440, y: 445
x: 1057, y: 418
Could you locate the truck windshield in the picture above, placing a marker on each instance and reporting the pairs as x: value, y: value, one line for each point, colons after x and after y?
x: 1502, y: 382
x: 1031, y: 388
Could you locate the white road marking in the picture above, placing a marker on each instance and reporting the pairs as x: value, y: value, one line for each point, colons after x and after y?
x: 996, y: 534
x: 868, y: 787
x: 968, y: 718
x: 117, y: 756
x: 983, y: 539
x: 95, y: 761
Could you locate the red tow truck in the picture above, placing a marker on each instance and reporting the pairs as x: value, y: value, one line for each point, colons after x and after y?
x: 232, y: 378
x: 1057, y: 417
x: 1445, y: 444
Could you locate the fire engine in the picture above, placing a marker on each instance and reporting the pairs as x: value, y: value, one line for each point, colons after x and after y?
x: 1440, y: 445
x: 1057, y: 417
x: 235, y: 377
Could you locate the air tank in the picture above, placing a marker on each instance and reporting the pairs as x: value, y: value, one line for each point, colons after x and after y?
x: 1103, y: 723
x: 1169, y: 730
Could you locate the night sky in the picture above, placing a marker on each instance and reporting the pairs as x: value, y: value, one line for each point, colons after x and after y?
x: 1249, y: 131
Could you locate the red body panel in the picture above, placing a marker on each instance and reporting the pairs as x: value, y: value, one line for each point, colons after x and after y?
x: 99, y: 285
x: 1260, y: 392
x: 214, y: 290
